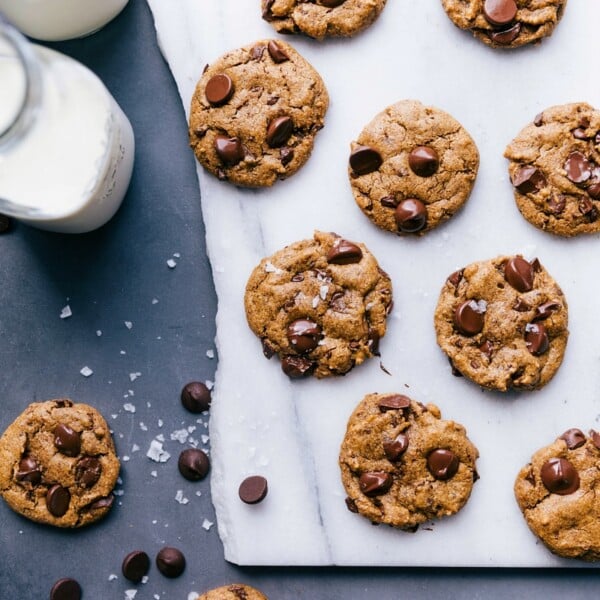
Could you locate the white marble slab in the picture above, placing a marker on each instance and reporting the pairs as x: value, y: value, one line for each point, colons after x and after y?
x: 291, y: 431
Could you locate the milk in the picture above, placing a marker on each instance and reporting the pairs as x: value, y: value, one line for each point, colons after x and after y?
x: 55, y: 20
x: 70, y: 166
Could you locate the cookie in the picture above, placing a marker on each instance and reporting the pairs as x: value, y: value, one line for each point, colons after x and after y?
x: 555, y: 170
x: 402, y: 464
x: 503, y: 323
x: 321, y: 18
x: 412, y: 167
x: 255, y: 114
x: 58, y: 464
x: 235, y: 591
x: 320, y: 304
x: 506, y: 23
x: 556, y: 492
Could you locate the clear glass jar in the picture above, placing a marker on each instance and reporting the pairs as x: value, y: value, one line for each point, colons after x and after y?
x: 66, y: 147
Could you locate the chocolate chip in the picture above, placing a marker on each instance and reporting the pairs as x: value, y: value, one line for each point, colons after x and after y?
x: 219, y: 89
x: 304, y: 335
x: 375, y: 483
x: 365, y: 159
x: 277, y: 53
x: 193, y: 464
x: 595, y: 438
x: 351, y: 505
x: 257, y: 52
x: 229, y: 150
x: 536, y: 339
x: 500, y: 12
x: 296, y: 367
x: 587, y: 209
x: 330, y: 3
x: 170, y: 562
x: 579, y: 133
x: 410, y: 215
x: 539, y: 119
x: 574, y: 438
x: 469, y: 317
x: 65, y: 589
x: 29, y: 470
x: 286, y: 155
x: 487, y: 348
x: 135, y: 565
x: 395, y: 402
x: 88, y: 471
x: 442, y: 464
x: 594, y: 191
x: 597, y: 138
x: 520, y: 305
x: 5, y: 223
x: 395, y: 448
x: 298, y: 277
x: 578, y: 167
x: 528, y: 179
x: 373, y: 342
x: 537, y: 265
x: 279, y: 131
x: 195, y: 397
x: 66, y: 440
x: 543, y: 311
x: 105, y: 502
x: 506, y: 36
x: 389, y: 202
x: 559, y: 476
x: 253, y: 489
x: 424, y: 161
x: 58, y: 499
x: 454, y: 278
x: 556, y: 204
x: 519, y: 274
x: 344, y: 252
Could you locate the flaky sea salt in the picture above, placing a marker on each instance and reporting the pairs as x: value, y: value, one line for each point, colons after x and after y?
x: 130, y: 594
x: 125, y: 458
x: 86, y: 371
x: 154, y: 473
x: 209, y: 384
x: 134, y: 376
x: 171, y: 263
x: 193, y: 596
x: 135, y: 448
x: 145, y: 579
x: 66, y: 312
x: 179, y: 497
x: 129, y: 407
x: 128, y: 324
x: 143, y: 426
x: 177, y: 254
x: 157, y: 453
x: 204, y: 438
x: 181, y: 435
x: 206, y: 524
x: 112, y: 577
x: 154, y: 300
x: 210, y: 353
x: 323, y: 291
x: 99, y: 332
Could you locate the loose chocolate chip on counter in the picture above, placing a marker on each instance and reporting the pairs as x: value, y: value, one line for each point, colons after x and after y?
x: 58, y: 499
x: 442, y: 464
x: 66, y: 440
x: 545, y: 310
x: 304, y: 335
x: 351, y: 505
x: 519, y: 274
x: 395, y: 448
x: 344, y: 252
x: 330, y: 3
x: 578, y: 168
x: 574, y: 438
x: 375, y: 483
x: 135, y: 565
x: 536, y: 339
x: 396, y: 402
x: 279, y: 131
x: 469, y: 317
x: 365, y: 159
x: 424, y: 161
x: 506, y: 36
x: 528, y: 179
x: 88, y: 471
x: 105, y: 502
x: 286, y: 155
x: 500, y: 13
x: 170, y: 562
x: 65, y: 589
x: 29, y: 470
x: 556, y: 204
x: 193, y: 464
x: 229, y: 150
x: 219, y: 89
x: 195, y: 397
x: 296, y: 367
x: 559, y: 476
x: 5, y: 223
x: 253, y: 489
x: 277, y: 53
x: 595, y: 438
x: 410, y: 215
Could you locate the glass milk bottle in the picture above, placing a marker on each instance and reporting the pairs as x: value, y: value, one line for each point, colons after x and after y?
x: 66, y: 147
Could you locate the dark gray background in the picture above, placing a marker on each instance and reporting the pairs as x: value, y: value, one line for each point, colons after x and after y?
x: 111, y: 276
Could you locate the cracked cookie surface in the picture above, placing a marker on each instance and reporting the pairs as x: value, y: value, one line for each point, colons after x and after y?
x: 234, y: 591
x: 58, y: 464
x: 555, y: 170
x: 402, y: 464
x: 321, y: 18
x: 503, y: 323
x: 320, y: 304
x: 506, y: 23
x: 255, y: 113
x: 412, y: 167
x: 557, y: 491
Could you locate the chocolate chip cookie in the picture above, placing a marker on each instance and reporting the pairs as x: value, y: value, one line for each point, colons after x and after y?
x: 557, y: 491
x: 402, y: 464
x: 58, y: 464
x: 503, y: 323
x: 555, y: 170
x: 506, y: 23
x: 320, y: 304
x: 255, y: 114
x: 412, y: 167
x: 321, y: 18
x: 235, y: 591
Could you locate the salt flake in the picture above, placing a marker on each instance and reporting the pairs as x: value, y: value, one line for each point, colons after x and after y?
x: 129, y: 407
x: 179, y: 497
x: 171, y: 263
x: 206, y: 524
x: 134, y: 376
x: 210, y: 353
x: 181, y: 435
x: 66, y: 312
x: 128, y: 324
x: 112, y: 577
x: 86, y: 371
x: 130, y: 594
x: 157, y: 453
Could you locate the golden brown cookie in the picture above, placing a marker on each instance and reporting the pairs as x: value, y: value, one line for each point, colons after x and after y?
x: 255, y: 114
x: 557, y: 493
x: 402, y: 464
x: 320, y: 304
x: 503, y: 323
x: 58, y: 464
x: 234, y: 591
x: 555, y: 170
x: 321, y: 18
x: 506, y: 23
x: 412, y: 167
